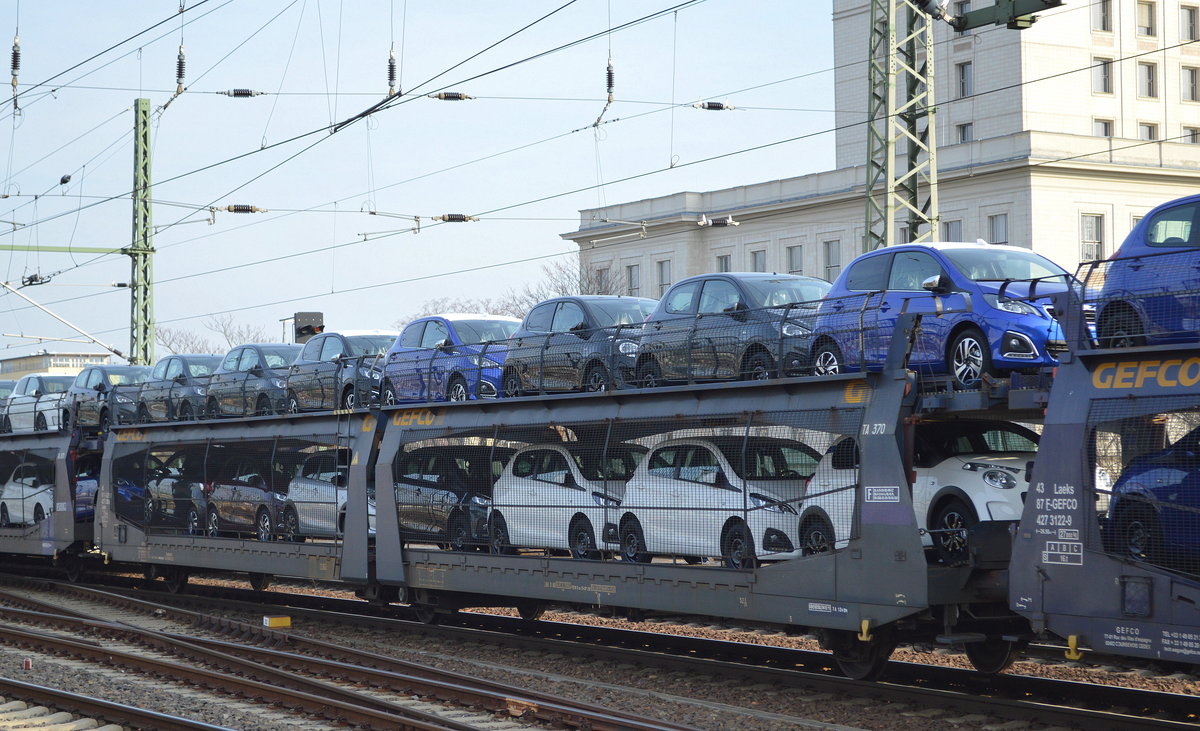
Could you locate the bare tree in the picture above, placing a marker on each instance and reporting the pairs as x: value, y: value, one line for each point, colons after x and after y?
x: 229, y: 334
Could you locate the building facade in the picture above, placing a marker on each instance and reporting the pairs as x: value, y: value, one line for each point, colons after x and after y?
x: 60, y: 364
x: 1058, y: 138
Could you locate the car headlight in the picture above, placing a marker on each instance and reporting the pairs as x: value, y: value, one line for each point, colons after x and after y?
x: 999, y: 479
x: 1017, y: 307
x: 122, y: 399
x: 770, y: 504
x: 605, y: 500
x: 481, y: 500
x: 481, y: 361
x: 795, y: 329
x: 278, y: 383
x: 368, y: 373
x: 201, y: 391
x: 627, y: 347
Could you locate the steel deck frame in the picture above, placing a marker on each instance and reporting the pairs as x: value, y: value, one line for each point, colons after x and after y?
x: 59, y: 532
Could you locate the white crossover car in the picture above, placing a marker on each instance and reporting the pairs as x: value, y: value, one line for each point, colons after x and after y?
x: 731, y: 497
x: 564, y: 496
x: 28, y: 494
x: 36, y: 403
x: 965, y: 471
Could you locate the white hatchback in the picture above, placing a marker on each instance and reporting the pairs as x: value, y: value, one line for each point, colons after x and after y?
x: 732, y: 497
x: 36, y: 403
x: 28, y: 494
x: 964, y: 471
x: 564, y: 496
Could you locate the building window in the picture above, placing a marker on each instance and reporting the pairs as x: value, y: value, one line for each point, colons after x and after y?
x: 1191, y: 84
x: 1147, y: 80
x: 723, y: 263
x: 961, y: 8
x: 1102, y: 75
x: 1189, y: 19
x: 966, y: 132
x: 1102, y: 127
x: 1145, y: 19
x: 833, y: 258
x: 902, y: 235
x: 664, y: 276
x: 952, y: 230
x: 1102, y: 15
x: 966, y: 79
x: 1191, y: 135
x: 758, y: 260
x: 1091, y: 236
x: 633, y: 280
x: 795, y: 259
x: 998, y: 228
x: 1147, y: 131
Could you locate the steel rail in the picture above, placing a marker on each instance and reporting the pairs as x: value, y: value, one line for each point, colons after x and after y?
x: 98, y: 708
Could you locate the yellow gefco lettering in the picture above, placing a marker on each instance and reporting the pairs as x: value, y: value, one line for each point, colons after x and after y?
x: 368, y: 424
x: 129, y: 435
x: 1168, y: 373
x: 416, y: 417
x: 856, y: 393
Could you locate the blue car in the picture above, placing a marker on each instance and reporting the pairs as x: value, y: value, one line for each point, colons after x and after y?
x: 448, y: 357
x: 974, y: 298
x: 1154, y: 515
x: 1149, y: 291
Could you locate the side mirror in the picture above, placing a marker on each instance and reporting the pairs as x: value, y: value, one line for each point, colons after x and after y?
x: 445, y: 345
x: 937, y: 284
x: 37, y: 393
x: 339, y: 480
x: 180, y: 379
x: 568, y: 480
x: 101, y: 387
x: 256, y: 370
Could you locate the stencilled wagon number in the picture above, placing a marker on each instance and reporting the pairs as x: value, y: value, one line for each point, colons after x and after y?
x: 874, y: 429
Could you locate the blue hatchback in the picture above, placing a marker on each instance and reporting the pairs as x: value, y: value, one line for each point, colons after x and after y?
x: 1149, y: 291
x: 970, y: 295
x: 448, y: 357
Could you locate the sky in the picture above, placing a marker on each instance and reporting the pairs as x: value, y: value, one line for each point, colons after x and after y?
x: 523, y: 156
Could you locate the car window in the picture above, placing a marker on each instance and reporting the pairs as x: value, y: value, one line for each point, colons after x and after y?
x: 773, y: 461
x: 1001, y: 264
x: 569, y: 317
x: 418, y: 468
x: 56, y: 384
x: 662, y: 462
x: 554, y: 468
x: 436, y: 333
x: 682, y: 299
x: 94, y: 376
x: 623, y: 311
x: 618, y: 463
x: 280, y: 356
x: 484, y: 331
x: 910, y: 269
x: 5, y: 391
x: 699, y: 465
x: 81, y: 379
x: 938, y: 441
x: 719, y: 296
x: 160, y: 369
x: 540, y: 317
x: 174, y: 369
x: 411, y: 337
x: 1007, y: 440
x: 231, y: 359
x: 128, y: 377
x: 249, y: 359
x: 199, y: 368
x: 1178, y: 226
x: 321, y: 467
x: 332, y: 348
x: 523, y: 465
x: 869, y: 274
x: 312, y: 349
x: 369, y: 344
x: 784, y: 290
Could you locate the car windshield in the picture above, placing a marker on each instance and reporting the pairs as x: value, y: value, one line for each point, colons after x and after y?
x: 126, y: 376
x: 370, y: 344
x: 770, y: 460
x: 984, y: 265
x: 280, y: 356
x: 780, y: 291
x: 200, y: 367
x: 617, y: 464
x: 485, y: 331
x: 5, y: 391
x: 57, y: 384
x: 950, y: 439
x: 624, y: 311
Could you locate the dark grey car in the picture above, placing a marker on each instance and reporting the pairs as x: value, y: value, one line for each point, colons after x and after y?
x: 252, y: 379
x: 338, y: 370
x: 583, y: 343
x: 177, y: 388
x: 105, y: 394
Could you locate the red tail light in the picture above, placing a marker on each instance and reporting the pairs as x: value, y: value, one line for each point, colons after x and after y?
x: 207, y: 488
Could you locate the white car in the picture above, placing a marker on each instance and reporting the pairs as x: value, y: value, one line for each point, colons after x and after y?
x: 731, y: 497
x: 28, y: 494
x: 316, y: 498
x: 564, y: 496
x: 965, y: 471
x: 37, y: 403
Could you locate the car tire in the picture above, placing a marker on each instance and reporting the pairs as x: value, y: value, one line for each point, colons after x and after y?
x: 293, y: 403
x: 1139, y: 535
x: 458, y: 533
x: 951, y: 523
x: 498, y: 536
x: 185, y: 412
x: 143, y: 413
x: 595, y: 379
x: 149, y: 511
x: 828, y: 360
x: 969, y: 359
x: 5, y: 425
x: 649, y: 374
x: 213, y: 409
x: 4, y: 521
x: 457, y: 390
x: 104, y: 422
x: 262, y: 407
x: 212, y: 523
x: 387, y: 396
x: 737, y: 547
x: 758, y: 366
x: 510, y: 384
x: 582, y: 539
x: 1121, y: 330
x: 39, y: 513
x: 39, y: 423
x: 816, y: 536
x: 633, y: 542
x: 191, y: 522
x: 349, y: 402
x: 291, y: 526
x: 264, y: 530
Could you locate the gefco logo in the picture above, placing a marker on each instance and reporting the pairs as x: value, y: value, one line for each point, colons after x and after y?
x: 129, y: 435
x: 417, y: 417
x: 857, y: 393
x: 1165, y: 373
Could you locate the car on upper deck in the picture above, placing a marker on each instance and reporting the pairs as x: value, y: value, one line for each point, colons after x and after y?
x: 251, y: 380
x: 447, y: 357
x: 105, y: 394
x: 177, y: 388
x: 338, y: 370
x: 36, y: 403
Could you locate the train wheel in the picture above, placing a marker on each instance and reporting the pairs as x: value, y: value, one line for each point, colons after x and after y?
x: 861, y: 660
x: 426, y: 614
x: 260, y: 582
x: 992, y: 656
x: 175, y: 579
x: 531, y: 611
x: 73, y: 567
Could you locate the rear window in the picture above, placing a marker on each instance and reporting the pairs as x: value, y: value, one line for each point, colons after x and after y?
x: 1175, y: 227
x: 617, y: 464
x: 870, y: 274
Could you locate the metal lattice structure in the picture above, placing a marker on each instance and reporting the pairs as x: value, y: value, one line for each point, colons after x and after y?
x: 141, y: 251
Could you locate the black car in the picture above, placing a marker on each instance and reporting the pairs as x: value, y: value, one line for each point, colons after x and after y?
x: 245, y: 494
x: 252, y: 379
x: 338, y: 370
x: 177, y: 388
x: 104, y: 394
x: 445, y: 492
x: 735, y: 325
x: 583, y: 343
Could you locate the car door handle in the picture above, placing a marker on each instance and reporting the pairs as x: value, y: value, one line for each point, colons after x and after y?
x: 884, y: 307
x: 658, y: 326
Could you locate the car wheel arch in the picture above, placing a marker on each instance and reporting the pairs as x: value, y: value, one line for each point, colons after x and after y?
x: 945, y: 495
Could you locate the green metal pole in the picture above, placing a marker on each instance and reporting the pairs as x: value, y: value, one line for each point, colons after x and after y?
x: 141, y: 251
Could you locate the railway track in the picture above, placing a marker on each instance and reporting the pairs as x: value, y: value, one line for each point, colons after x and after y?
x: 59, y: 709
x: 1003, y: 696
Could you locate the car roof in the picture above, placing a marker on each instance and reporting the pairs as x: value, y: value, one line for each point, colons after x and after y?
x: 958, y: 245
x: 452, y: 316
x: 265, y: 345
x: 191, y: 355
x: 722, y: 442
x: 355, y: 333
x: 595, y: 298
x: 750, y: 275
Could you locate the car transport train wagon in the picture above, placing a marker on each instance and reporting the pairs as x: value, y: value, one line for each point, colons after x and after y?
x: 875, y: 506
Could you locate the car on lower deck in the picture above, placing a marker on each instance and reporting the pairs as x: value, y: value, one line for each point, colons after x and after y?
x: 580, y: 343
x: 728, y: 497
x: 177, y: 388
x: 245, y: 495
x: 315, y: 505
x: 735, y: 325
x: 447, y: 357
x: 985, y: 307
x: 27, y: 495
x: 338, y: 370
x: 964, y: 472
x: 251, y: 380
x: 563, y: 496
x: 444, y: 493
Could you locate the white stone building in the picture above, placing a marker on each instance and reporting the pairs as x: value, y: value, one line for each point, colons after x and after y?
x: 1057, y: 137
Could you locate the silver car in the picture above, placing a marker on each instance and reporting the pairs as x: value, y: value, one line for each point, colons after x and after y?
x: 316, y: 498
